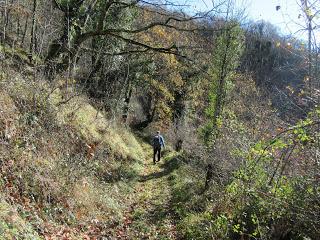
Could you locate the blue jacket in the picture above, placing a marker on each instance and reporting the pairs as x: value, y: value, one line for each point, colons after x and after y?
x: 161, y: 140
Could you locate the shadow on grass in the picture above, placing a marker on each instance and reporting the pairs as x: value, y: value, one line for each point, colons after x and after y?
x: 126, y: 172
x: 167, y: 167
x: 144, y: 137
x: 123, y: 174
x: 184, y: 198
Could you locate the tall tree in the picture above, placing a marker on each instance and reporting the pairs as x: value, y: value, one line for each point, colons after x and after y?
x: 225, y: 60
x: 84, y: 20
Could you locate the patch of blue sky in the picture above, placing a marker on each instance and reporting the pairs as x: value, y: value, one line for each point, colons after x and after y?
x: 286, y: 15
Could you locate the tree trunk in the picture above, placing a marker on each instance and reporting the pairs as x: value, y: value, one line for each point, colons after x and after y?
x: 127, y: 100
x: 5, y: 13
x: 25, y: 31
x: 209, y: 176
x: 33, y: 28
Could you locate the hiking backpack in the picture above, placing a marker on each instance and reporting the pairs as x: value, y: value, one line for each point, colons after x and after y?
x: 157, y: 141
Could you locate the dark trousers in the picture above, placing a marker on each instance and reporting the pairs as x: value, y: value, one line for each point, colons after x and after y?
x: 156, y: 151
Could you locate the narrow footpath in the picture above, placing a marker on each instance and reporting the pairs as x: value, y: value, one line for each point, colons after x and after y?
x: 150, y: 216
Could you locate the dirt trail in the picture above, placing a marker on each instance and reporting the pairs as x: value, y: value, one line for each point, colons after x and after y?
x: 150, y: 216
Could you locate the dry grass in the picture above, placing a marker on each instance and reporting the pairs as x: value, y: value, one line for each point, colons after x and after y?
x: 62, y: 154
x: 12, y: 226
x: 9, y: 116
x: 95, y: 128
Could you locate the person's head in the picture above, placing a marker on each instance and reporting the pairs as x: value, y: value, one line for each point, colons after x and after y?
x: 158, y: 132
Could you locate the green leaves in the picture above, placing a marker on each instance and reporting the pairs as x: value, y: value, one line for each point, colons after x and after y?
x: 267, y: 190
x: 301, y: 131
x: 226, y: 55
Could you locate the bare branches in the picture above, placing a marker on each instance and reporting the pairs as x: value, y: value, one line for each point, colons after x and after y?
x: 172, y: 49
x: 68, y: 7
x: 96, y: 24
x: 165, y: 23
x: 104, y: 14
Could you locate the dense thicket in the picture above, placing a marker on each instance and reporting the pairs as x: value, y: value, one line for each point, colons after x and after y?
x: 238, y: 100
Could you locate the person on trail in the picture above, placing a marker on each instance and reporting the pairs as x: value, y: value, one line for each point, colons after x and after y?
x: 158, y: 143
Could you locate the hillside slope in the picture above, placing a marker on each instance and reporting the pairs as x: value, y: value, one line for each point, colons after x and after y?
x: 63, y: 165
x: 69, y: 173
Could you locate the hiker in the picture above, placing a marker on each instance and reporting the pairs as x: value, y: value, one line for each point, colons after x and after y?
x: 158, y: 143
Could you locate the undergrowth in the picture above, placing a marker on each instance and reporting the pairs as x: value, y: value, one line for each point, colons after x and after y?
x: 63, y: 164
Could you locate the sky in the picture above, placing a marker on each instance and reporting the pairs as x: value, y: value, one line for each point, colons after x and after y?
x: 285, y: 19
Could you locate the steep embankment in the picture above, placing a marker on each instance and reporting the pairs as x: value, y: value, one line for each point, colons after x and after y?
x: 64, y: 167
